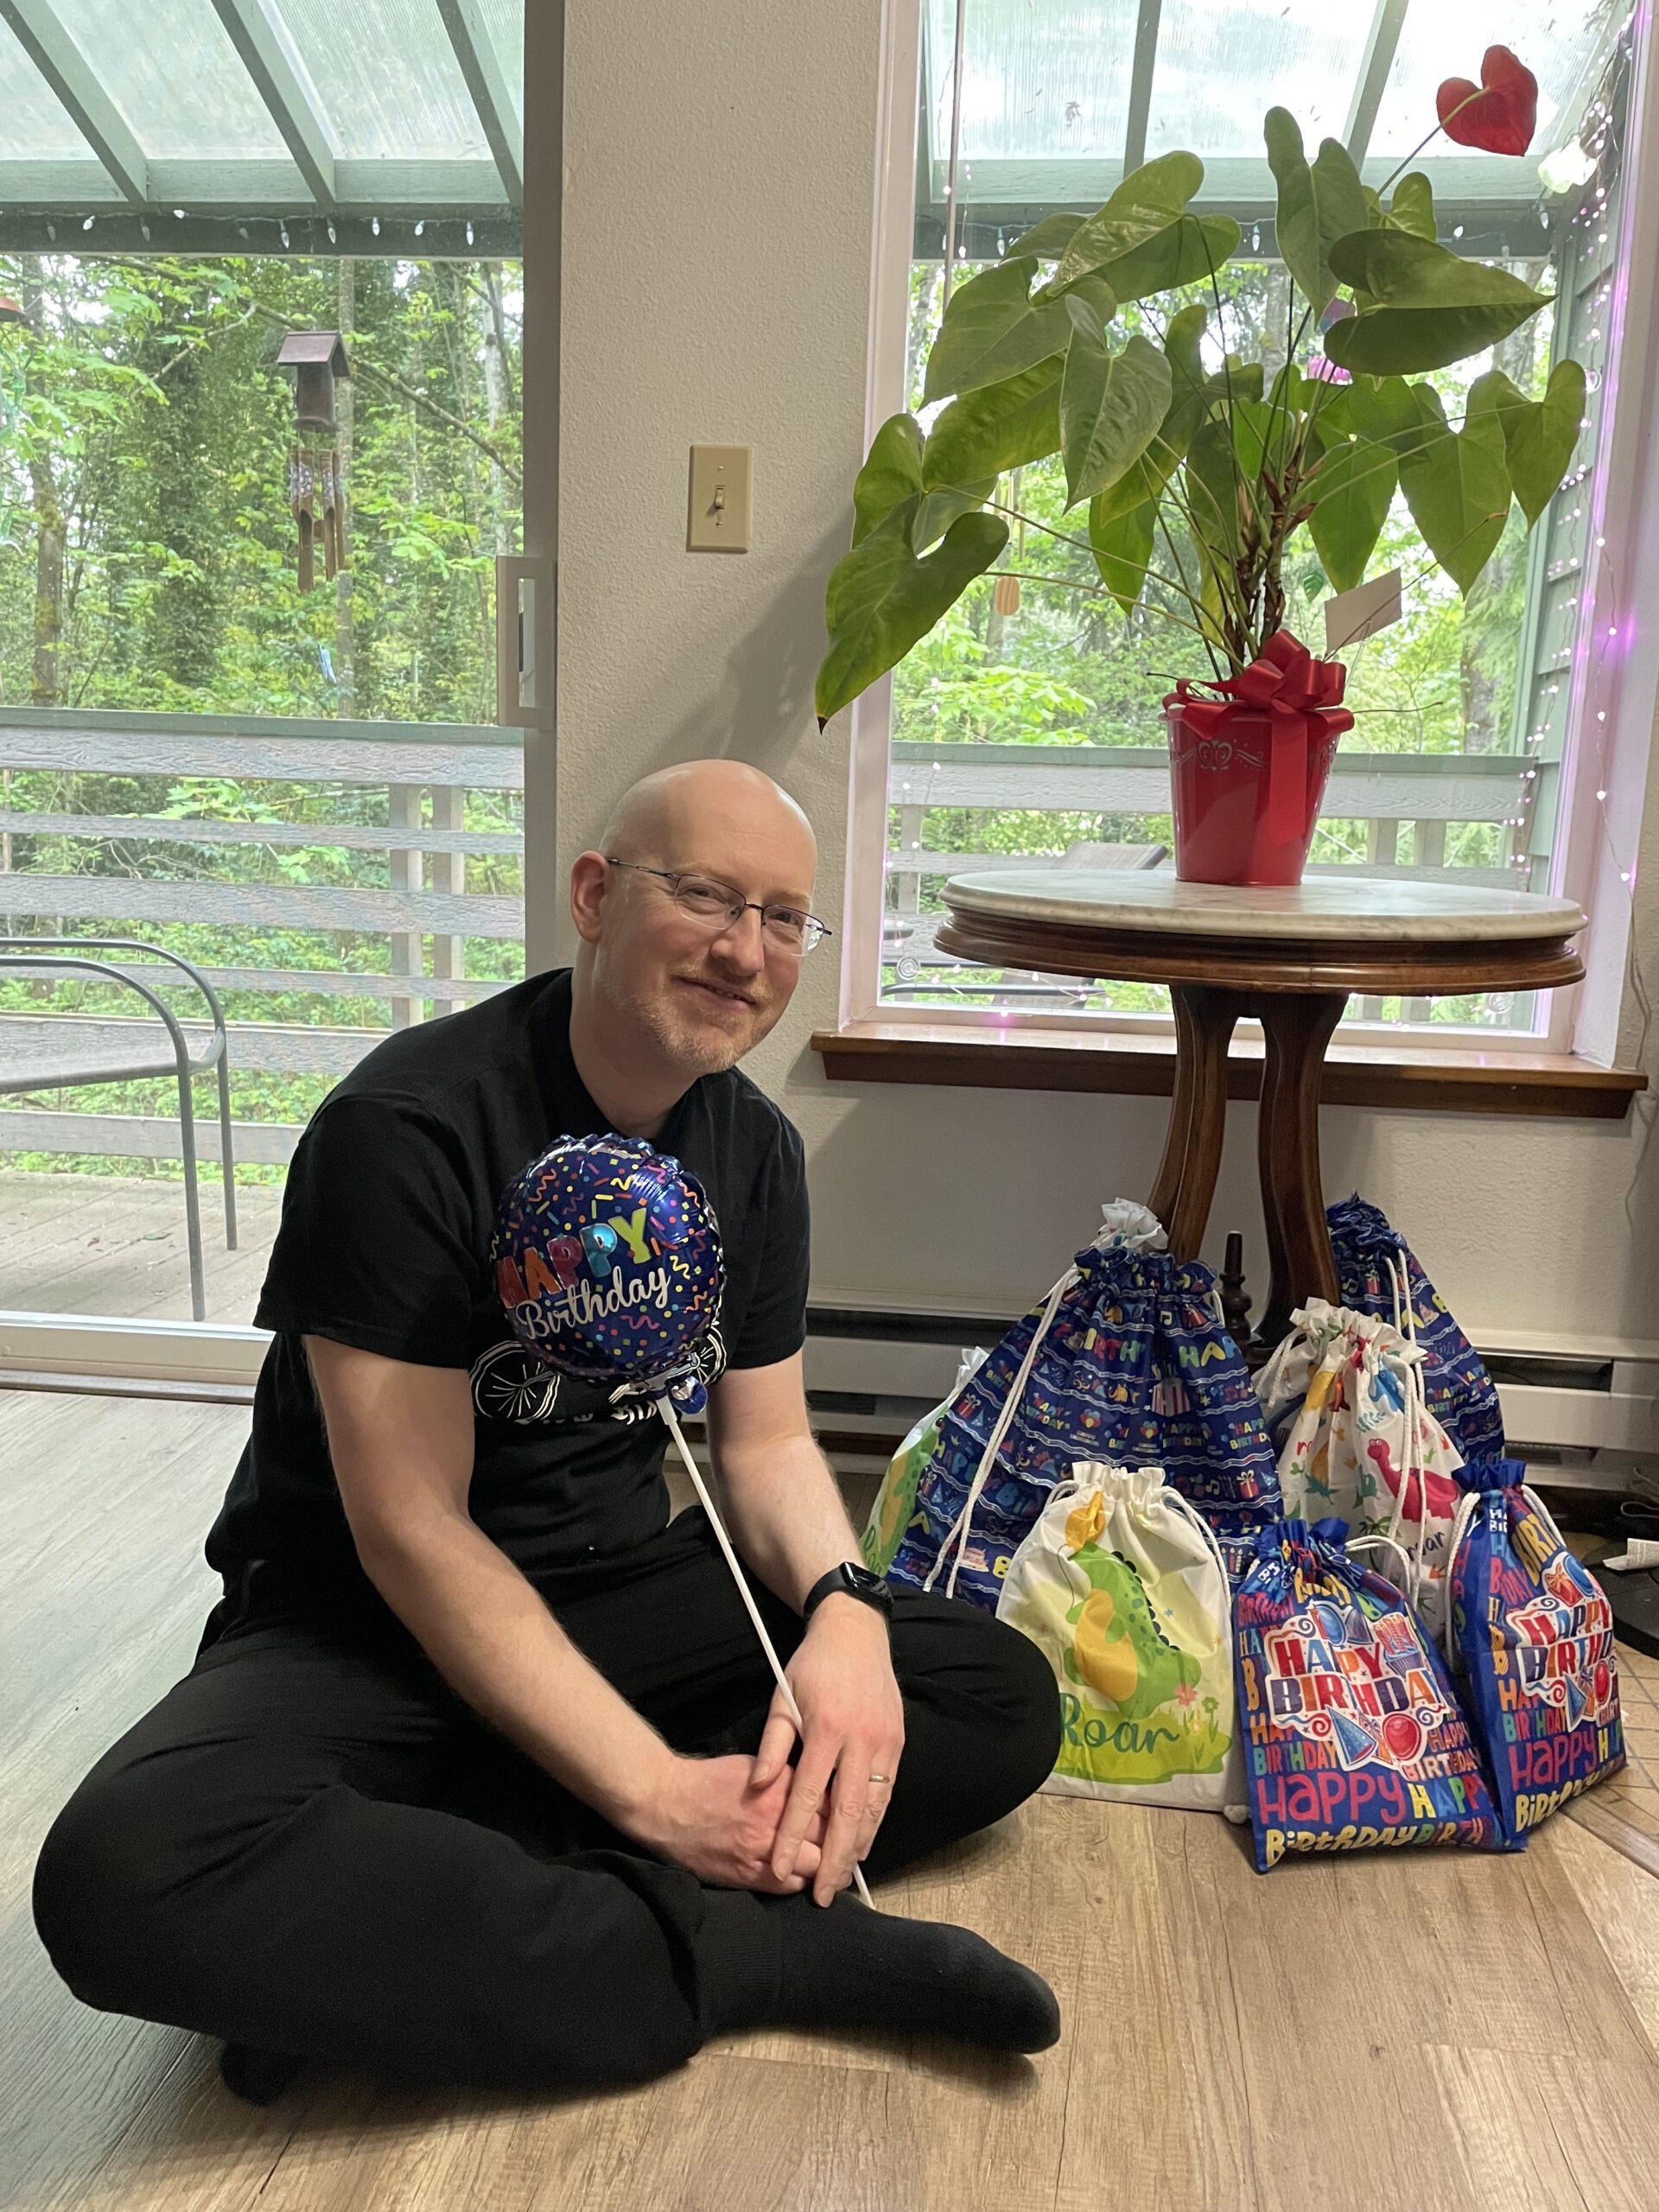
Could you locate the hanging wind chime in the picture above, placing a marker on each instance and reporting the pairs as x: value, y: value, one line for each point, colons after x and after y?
x: 316, y: 491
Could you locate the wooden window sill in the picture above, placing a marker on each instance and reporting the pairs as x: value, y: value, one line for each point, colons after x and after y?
x: 1456, y: 1081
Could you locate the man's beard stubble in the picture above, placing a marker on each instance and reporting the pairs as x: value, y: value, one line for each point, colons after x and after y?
x: 697, y: 1049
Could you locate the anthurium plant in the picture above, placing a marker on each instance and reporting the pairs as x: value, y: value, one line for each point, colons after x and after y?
x: 1185, y: 466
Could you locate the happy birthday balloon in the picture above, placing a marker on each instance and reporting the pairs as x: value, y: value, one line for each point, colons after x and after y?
x: 606, y: 1258
x: 599, y: 1242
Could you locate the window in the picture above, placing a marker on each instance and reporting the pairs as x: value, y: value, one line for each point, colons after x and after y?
x: 1027, y: 724
x: 305, y: 781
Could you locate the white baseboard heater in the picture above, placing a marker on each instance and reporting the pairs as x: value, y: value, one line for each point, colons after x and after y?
x: 1584, y: 1413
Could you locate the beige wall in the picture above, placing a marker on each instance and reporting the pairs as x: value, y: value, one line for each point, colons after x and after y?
x: 717, y: 242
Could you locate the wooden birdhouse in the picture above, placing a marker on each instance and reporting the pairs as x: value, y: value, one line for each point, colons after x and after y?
x: 315, y: 491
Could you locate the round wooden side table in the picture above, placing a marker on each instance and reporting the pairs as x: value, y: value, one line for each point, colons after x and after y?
x: 1291, y: 957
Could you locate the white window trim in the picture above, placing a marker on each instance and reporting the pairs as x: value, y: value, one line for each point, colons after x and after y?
x: 1586, y: 865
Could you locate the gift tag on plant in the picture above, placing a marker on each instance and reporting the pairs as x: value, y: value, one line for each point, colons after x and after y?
x: 1363, y: 612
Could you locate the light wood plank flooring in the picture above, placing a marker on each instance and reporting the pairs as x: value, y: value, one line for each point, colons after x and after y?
x: 116, y: 1244
x: 1428, y: 2032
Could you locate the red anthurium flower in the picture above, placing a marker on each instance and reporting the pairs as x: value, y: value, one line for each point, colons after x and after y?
x: 1500, y: 114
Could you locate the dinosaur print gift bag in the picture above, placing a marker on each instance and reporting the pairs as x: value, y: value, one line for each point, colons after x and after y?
x: 1122, y: 1585
x: 1342, y: 1399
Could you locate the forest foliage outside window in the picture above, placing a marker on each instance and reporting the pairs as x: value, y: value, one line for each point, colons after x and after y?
x: 148, y: 564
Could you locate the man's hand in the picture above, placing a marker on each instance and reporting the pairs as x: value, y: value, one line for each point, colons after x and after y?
x: 714, y: 1818
x: 841, y: 1675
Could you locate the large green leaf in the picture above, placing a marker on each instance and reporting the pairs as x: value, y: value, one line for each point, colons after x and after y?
x: 1262, y: 436
x: 1351, y: 490
x: 1317, y: 205
x: 1539, y: 435
x: 1148, y: 201
x: 992, y: 329
x: 1458, y: 489
x: 1211, y: 482
x: 1187, y: 251
x: 1431, y: 307
x: 1386, y: 409
x: 1183, y: 351
x: 1049, y: 238
x: 937, y: 510
x: 1112, y: 404
x: 1412, y: 207
x: 1122, y: 548
x: 1000, y: 426
x: 881, y: 599
x: 891, y: 473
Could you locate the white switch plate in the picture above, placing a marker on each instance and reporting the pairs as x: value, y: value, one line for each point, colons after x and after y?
x: 719, y: 521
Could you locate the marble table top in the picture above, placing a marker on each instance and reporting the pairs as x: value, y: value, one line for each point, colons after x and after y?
x: 1325, y: 908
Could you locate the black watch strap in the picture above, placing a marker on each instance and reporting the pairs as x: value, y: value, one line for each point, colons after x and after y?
x: 856, y: 1581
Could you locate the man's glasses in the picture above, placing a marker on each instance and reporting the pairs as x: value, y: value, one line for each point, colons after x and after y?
x: 706, y: 900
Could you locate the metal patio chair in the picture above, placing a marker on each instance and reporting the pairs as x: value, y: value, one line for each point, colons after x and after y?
x: 39, y: 1051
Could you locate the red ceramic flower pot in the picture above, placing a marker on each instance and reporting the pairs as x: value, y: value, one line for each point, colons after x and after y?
x: 1247, y: 789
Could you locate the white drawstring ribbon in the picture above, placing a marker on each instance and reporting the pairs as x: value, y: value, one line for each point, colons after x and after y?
x: 957, y: 1533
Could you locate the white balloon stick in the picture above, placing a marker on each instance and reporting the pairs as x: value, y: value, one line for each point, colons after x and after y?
x: 666, y: 1406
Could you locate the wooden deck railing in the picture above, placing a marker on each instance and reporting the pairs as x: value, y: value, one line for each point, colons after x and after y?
x: 427, y: 769
x: 425, y: 901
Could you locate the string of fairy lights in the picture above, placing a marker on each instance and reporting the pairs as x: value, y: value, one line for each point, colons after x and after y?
x: 1591, y: 617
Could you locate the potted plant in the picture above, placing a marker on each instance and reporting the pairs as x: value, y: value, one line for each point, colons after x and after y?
x: 1196, y: 474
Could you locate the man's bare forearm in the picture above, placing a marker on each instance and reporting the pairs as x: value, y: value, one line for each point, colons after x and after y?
x: 785, y: 1513
x: 491, y: 1637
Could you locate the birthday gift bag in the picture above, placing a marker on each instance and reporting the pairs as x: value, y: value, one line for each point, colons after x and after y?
x: 1127, y: 1359
x: 1122, y: 1585
x: 1380, y: 1275
x: 1342, y: 1397
x: 1533, y: 1634
x: 1352, y: 1737
x: 896, y: 1499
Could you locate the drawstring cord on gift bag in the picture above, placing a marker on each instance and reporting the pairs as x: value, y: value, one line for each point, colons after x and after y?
x: 1380, y: 1537
x: 1412, y: 1467
x: 959, y: 1528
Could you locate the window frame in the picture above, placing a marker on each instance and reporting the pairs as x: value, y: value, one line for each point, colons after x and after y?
x: 1585, y: 864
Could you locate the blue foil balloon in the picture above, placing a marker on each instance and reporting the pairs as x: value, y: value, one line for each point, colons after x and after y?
x: 607, y: 1259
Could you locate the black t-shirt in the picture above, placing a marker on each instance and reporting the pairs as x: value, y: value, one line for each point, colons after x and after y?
x: 384, y: 1244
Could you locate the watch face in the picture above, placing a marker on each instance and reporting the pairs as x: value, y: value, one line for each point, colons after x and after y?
x: 862, y: 1579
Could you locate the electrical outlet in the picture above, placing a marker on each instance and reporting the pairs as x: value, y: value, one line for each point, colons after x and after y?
x: 718, y: 520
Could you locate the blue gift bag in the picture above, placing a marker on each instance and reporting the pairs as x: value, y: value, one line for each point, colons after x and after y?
x: 1352, y: 1736
x: 1533, y: 1636
x: 1125, y: 1360
x: 1380, y: 1275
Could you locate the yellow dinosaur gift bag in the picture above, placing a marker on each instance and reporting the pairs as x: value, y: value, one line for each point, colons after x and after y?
x: 1121, y: 1584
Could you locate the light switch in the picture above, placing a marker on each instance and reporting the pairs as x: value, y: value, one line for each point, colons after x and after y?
x: 720, y: 501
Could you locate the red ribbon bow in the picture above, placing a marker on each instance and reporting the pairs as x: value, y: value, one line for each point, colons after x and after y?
x: 1302, y: 700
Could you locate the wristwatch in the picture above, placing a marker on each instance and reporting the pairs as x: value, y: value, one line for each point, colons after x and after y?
x: 857, y: 1582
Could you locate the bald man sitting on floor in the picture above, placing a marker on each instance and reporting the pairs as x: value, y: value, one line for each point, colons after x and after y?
x: 480, y: 1773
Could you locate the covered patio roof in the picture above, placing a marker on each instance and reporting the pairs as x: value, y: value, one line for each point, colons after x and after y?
x: 1061, y: 98
x: 343, y: 125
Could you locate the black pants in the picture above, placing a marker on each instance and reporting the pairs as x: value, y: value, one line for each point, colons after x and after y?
x: 311, y: 1845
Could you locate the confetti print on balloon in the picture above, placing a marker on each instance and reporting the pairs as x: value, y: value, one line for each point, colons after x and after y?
x: 606, y: 1258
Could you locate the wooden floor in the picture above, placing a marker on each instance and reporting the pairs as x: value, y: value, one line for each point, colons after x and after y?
x: 1429, y: 2033
x: 115, y: 1244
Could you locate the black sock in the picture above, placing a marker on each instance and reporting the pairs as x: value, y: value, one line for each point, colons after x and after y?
x: 260, y: 2076
x: 787, y: 1962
